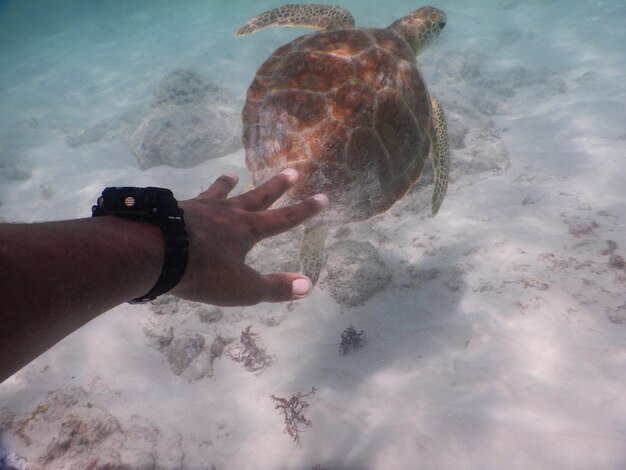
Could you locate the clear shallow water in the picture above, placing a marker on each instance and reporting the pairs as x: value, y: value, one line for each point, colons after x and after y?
x: 69, y: 66
x: 500, y: 339
x: 75, y: 62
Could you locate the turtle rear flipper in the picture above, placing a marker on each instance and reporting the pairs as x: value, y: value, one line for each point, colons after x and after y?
x: 312, y: 251
x: 323, y: 17
x: 440, y: 153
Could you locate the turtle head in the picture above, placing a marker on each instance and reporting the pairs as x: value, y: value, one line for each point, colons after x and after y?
x: 421, y: 27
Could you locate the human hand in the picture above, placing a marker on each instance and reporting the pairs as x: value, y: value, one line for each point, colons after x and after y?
x: 223, y: 230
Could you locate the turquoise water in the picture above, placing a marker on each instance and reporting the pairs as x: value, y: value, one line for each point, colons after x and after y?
x: 68, y: 65
x: 497, y: 340
x: 67, y: 62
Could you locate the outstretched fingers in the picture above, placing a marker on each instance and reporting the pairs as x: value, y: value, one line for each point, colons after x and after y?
x: 221, y: 187
x: 223, y: 229
x: 268, y: 193
x: 268, y: 223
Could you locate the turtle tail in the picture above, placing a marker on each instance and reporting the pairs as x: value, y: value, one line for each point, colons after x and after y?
x: 323, y: 17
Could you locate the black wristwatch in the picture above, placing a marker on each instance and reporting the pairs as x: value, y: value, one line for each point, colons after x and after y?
x: 155, y: 206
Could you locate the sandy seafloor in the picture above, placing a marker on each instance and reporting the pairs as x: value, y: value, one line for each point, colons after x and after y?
x: 495, y: 332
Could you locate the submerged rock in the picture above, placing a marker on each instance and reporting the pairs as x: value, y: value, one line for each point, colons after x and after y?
x: 191, y: 120
x: 354, y: 272
x: 183, y: 351
x: 67, y: 430
x: 183, y: 87
x: 509, y: 36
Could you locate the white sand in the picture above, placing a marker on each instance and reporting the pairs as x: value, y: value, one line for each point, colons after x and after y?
x: 499, y: 340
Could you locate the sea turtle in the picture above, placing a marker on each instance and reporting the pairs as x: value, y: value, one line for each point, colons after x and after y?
x: 347, y: 107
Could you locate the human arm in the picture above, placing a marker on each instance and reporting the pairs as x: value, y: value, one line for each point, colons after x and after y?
x: 57, y: 276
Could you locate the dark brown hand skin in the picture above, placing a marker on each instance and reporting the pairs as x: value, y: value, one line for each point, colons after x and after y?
x: 223, y: 232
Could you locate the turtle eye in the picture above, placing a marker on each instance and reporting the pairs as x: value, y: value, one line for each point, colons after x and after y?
x: 442, y: 24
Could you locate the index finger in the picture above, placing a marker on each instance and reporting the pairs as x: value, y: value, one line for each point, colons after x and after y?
x: 268, y: 193
x: 268, y: 223
x: 221, y: 187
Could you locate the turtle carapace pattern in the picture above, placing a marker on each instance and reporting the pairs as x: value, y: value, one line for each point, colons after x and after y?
x: 348, y: 108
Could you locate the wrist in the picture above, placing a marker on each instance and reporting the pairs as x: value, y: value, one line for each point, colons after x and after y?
x: 156, y: 207
x: 184, y: 284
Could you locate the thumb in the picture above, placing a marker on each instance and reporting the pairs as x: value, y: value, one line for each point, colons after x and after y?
x: 275, y: 287
x: 287, y: 286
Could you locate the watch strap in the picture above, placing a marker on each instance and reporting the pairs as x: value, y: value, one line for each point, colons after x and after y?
x: 156, y: 206
x: 175, y: 259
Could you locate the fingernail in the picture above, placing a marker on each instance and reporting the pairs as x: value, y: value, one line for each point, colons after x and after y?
x: 321, y: 198
x: 232, y: 176
x: 290, y: 173
x: 300, y: 287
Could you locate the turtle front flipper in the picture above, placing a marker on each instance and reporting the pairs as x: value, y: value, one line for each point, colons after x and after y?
x: 323, y: 17
x: 440, y: 153
x: 312, y: 250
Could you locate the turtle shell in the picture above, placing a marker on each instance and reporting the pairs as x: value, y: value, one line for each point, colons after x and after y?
x: 349, y: 110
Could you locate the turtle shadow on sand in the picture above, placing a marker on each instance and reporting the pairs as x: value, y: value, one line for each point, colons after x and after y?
x: 412, y: 330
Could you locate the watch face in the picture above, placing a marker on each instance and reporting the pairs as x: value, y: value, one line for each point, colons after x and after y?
x: 129, y: 201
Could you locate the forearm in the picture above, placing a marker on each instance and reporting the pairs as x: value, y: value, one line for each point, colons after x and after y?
x: 57, y: 276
